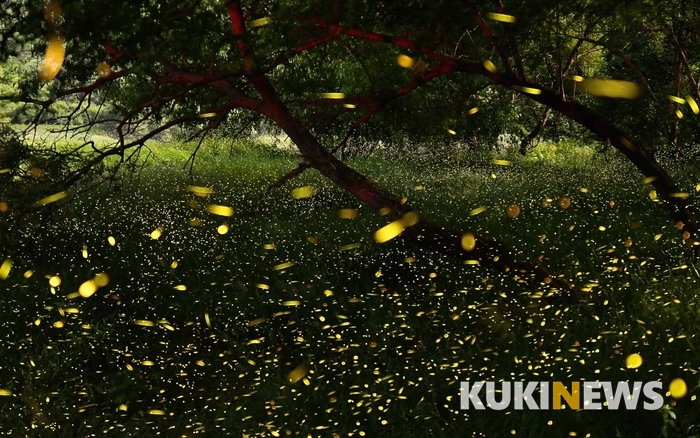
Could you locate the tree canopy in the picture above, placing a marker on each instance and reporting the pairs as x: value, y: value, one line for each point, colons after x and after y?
x: 341, y: 78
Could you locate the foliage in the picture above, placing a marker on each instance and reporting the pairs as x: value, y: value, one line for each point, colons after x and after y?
x: 410, y: 83
x: 142, y: 356
x: 589, y: 38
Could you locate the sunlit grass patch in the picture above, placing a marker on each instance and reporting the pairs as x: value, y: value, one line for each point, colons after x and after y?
x: 297, y: 305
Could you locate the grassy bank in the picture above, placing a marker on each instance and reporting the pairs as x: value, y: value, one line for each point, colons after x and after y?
x: 198, y: 332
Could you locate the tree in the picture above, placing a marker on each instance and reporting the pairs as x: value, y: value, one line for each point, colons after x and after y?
x: 207, y: 65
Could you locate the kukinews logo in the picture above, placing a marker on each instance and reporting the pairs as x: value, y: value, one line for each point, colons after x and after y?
x: 558, y: 395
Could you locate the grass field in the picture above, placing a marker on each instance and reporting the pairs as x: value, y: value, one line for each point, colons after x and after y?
x: 199, y: 333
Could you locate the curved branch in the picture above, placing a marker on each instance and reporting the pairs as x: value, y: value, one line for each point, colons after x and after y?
x: 282, y: 58
x: 684, y: 59
x: 677, y: 202
x: 519, y: 67
x: 632, y: 148
x: 426, y: 234
x: 379, y: 38
x: 529, y: 138
x: 489, y: 34
x: 289, y: 175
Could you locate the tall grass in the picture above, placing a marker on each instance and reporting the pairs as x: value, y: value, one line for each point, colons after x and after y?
x: 379, y: 335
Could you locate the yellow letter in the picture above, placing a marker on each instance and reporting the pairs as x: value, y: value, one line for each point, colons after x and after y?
x: 559, y: 391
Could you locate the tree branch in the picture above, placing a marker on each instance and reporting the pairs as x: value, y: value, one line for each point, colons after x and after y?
x: 525, y: 143
x: 282, y: 58
x: 489, y: 34
x: 624, y: 59
x: 289, y: 175
x: 379, y: 38
x: 667, y: 189
x: 519, y: 68
x: 426, y: 234
x: 426, y: 77
x: 686, y: 65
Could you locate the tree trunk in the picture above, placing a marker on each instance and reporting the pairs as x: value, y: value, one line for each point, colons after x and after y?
x: 486, y: 250
x: 525, y: 143
x: 673, y: 129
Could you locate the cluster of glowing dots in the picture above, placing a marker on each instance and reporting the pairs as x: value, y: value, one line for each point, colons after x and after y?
x: 302, y: 373
x: 87, y: 288
x: 218, y: 210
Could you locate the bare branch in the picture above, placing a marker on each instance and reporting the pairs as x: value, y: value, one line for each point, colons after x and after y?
x: 282, y: 58
x: 380, y: 38
x: 684, y: 59
x: 289, y: 175
x: 489, y: 34
x: 513, y: 45
x: 122, y: 146
x: 525, y: 142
